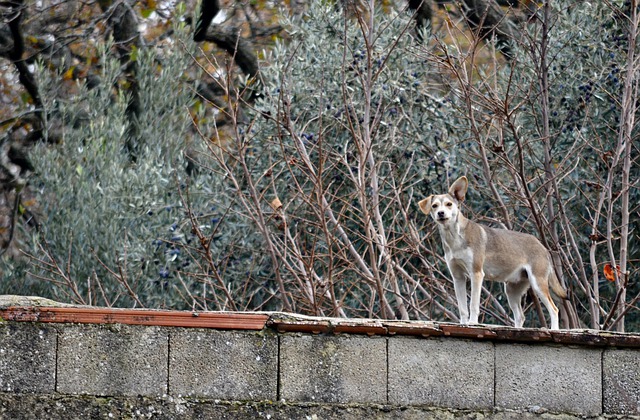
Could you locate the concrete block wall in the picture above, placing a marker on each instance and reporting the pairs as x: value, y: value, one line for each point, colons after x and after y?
x: 27, y: 358
x: 333, y: 369
x: 112, y: 360
x: 272, y: 373
x: 441, y: 372
x: 228, y: 365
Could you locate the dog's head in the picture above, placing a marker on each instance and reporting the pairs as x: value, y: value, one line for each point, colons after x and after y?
x: 444, y: 207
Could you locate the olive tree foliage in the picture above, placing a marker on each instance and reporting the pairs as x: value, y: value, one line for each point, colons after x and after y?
x: 303, y: 195
x: 112, y: 227
x: 118, y: 77
x: 104, y: 213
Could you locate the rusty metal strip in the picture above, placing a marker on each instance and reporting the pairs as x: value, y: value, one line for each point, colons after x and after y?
x: 326, y: 328
x: 303, y: 326
x: 467, y: 331
x: 218, y: 320
x: 526, y: 335
x: 359, y: 328
x: 294, y: 323
x: 596, y: 338
x: 284, y: 322
x: 413, y: 328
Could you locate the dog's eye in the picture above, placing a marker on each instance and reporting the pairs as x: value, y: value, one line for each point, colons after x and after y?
x: 449, y: 204
x: 434, y: 205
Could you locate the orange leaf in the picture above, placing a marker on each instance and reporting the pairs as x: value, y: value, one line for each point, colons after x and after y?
x: 608, y: 272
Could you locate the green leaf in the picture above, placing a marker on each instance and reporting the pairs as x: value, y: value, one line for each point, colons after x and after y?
x: 133, y: 56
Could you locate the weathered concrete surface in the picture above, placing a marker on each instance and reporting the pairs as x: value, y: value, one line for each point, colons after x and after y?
x: 223, y: 364
x: 28, y: 301
x: 336, y: 369
x: 560, y: 379
x: 112, y: 360
x: 54, y: 407
x: 27, y: 357
x: 621, y: 381
x: 441, y: 372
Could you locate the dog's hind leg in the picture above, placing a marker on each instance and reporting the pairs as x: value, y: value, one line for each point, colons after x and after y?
x: 541, y: 287
x: 546, y: 299
x: 515, y: 291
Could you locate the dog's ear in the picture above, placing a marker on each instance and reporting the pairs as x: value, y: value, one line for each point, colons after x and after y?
x: 425, y: 205
x: 459, y: 188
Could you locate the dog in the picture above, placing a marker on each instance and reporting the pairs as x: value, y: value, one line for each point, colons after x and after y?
x: 475, y: 252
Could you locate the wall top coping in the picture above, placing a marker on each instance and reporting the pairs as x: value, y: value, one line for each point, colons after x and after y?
x: 36, y: 309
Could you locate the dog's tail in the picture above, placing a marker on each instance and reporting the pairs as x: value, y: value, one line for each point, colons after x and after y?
x: 556, y: 286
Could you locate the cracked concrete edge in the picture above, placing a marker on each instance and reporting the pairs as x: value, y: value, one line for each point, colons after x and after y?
x: 7, y: 301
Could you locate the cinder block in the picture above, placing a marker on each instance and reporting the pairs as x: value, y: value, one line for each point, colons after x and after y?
x: 335, y: 369
x: 621, y: 381
x: 223, y: 364
x: 112, y: 360
x: 441, y: 372
x: 560, y: 379
x: 27, y: 357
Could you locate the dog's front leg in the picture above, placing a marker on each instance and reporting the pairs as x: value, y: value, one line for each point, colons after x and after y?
x: 460, y: 286
x: 476, y: 289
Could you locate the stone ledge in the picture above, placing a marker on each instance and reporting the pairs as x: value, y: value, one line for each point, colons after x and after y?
x: 38, y: 310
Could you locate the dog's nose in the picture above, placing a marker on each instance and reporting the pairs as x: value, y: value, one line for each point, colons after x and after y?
x: 440, y: 214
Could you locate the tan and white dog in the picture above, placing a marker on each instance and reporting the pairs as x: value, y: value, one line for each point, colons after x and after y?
x: 476, y: 252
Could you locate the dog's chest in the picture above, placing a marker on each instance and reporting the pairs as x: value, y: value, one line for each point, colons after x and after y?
x: 456, y: 249
x: 461, y: 258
